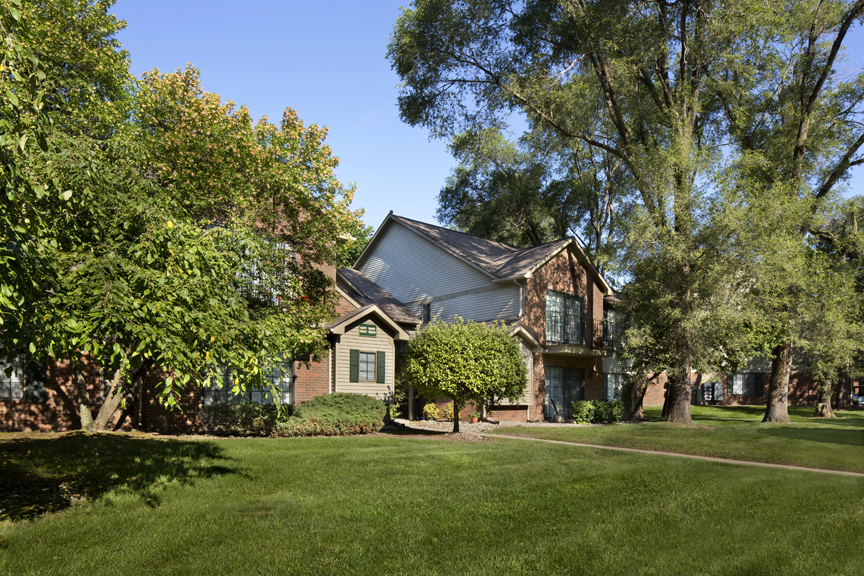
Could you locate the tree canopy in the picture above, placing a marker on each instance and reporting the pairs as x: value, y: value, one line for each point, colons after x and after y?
x: 707, y: 106
x: 165, y: 229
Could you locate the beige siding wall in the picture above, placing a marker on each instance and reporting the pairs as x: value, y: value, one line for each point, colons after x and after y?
x: 412, y: 268
x: 352, y: 340
x: 496, y: 304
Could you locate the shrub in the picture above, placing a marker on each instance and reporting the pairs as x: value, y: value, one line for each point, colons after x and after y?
x: 334, y: 415
x: 448, y: 411
x: 602, y: 413
x: 430, y: 411
x: 583, y: 412
x: 616, y: 410
x: 597, y: 411
x: 241, y: 418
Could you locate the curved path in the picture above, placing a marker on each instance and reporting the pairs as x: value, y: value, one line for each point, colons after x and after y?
x: 676, y: 454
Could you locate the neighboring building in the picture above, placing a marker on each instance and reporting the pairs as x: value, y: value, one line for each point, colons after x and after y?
x: 550, y: 296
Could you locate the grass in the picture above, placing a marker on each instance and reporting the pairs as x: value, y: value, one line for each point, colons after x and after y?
x: 391, y: 505
x: 732, y: 432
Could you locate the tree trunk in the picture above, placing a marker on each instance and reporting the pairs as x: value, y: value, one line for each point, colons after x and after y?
x: 777, y: 411
x: 665, y: 411
x: 110, y: 404
x: 678, y: 397
x: 456, y: 411
x: 83, y: 396
x: 823, y: 408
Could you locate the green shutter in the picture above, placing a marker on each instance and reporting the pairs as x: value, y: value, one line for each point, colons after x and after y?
x: 380, y: 368
x: 354, y: 373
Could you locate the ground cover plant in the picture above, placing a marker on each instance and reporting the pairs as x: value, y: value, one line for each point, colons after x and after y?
x: 391, y: 505
x: 732, y: 432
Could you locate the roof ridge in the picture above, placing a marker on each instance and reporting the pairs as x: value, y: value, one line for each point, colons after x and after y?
x: 502, y: 244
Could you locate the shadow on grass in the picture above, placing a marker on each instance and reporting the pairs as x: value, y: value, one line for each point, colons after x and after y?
x: 825, y: 435
x: 47, y: 474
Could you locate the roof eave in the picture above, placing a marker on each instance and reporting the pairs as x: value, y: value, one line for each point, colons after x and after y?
x: 339, y: 327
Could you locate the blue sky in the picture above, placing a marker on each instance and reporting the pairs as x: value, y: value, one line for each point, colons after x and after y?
x: 326, y: 59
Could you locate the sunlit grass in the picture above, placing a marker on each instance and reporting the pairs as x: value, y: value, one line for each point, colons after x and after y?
x: 389, y: 505
x: 732, y: 432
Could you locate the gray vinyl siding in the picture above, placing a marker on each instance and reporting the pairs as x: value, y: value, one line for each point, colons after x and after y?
x: 412, y: 268
x: 352, y: 340
x: 496, y: 304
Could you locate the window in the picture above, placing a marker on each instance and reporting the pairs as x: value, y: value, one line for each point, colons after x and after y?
x: 563, y: 387
x: 280, y: 375
x: 712, y: 391
x: 612, y: 386
x: 265, y: 276
x: 426, y: 313
x: 746, y: 383
x: 367, y: 366
x: 564, y: 318
x: 613, y: 327
x: 26, y: 380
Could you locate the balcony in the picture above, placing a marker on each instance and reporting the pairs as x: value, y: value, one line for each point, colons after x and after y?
x: 564, y: 329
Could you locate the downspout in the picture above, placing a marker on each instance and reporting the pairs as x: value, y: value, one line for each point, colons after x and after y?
x: 330, y: 370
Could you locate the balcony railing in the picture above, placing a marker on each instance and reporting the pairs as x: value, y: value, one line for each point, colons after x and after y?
x: 564, y: 329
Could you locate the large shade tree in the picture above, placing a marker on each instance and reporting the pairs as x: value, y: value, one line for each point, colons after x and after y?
x: 671, y: 79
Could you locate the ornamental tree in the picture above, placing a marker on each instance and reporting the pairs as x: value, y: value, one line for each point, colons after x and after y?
x: 463, y: 361
x: 183, y: 237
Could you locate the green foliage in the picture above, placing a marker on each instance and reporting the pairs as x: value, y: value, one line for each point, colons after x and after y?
x: 448, y: 411
x: 597, y: 411
x: 337, y: 414
x: 465, y: 361
x: 582, y: 412
x: 151, y: 224
x: 356, y: 238
x: 430, y: 411
x: 674, y: 94
x: 241, y: 418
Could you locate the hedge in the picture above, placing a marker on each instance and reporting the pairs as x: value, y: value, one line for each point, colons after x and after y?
x: 338, y: 414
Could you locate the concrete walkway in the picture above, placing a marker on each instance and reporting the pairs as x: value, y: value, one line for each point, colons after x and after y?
x: 677, y: 455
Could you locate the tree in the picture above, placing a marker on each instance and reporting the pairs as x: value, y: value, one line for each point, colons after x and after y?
x: 359, y: 236
x: 24, y: 233
x: 541, y: 189
x: 181, y: 237
x: 648, y: 67
x: 464, y: 361
x: 796, y: 121
x: 674, y: 82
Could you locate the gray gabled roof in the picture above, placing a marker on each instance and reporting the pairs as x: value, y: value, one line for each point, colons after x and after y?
x: 498, y: 260
x: 367, y: 292
x: 339, y: 325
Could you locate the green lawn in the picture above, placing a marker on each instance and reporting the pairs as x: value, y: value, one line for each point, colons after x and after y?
x: 390, y: 505
x: 732, y: 432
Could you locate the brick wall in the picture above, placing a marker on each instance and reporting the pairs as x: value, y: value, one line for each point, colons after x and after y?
x: 60, y: 410
x: 563, y: 273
